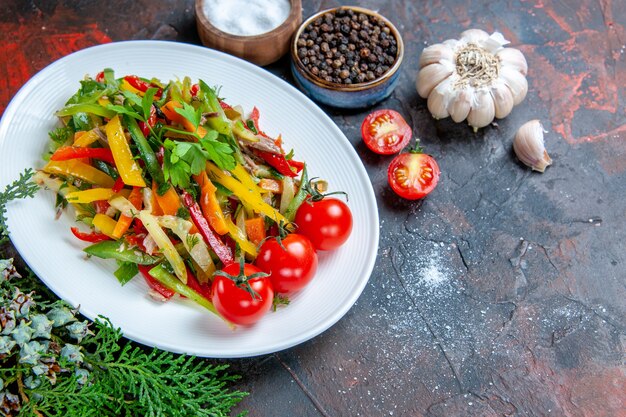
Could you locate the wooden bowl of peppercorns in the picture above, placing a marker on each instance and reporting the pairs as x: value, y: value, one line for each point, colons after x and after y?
x: 347, y: 57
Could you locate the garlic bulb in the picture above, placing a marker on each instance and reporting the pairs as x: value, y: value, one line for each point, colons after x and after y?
x: 529, y: 147
x: 474, y: 77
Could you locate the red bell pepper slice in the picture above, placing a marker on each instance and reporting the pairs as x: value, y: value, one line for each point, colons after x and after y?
x: 222, y: 251
x: 141, y: 85
x: 297, y: 165
x: 145, y: 127
x: 136, y: 240
x: 154, y: 284
x: 101, y: 206
x: 119, y: 184
x: 202, y: 289
x: 194, y: 90
x: 137, y: 82
x: 92, y: 237
x: 278, y: 161
x: 65, y: 153
x: 160, y: 154
x: 254, y: 116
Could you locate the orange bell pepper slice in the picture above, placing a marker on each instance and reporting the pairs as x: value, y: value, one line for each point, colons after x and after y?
x: 124, y: 222
x: 270, y: 185
x: 168, y: 202
x: 210, y: 205
x: 169, y: 110
x: 255, y: 229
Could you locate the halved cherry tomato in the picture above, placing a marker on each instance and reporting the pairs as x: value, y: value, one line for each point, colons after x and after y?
x: 100, y: 77
x: 327, y: 222
x: 413, y: 175
x: 385, y: 132
x: 291, y: 263
x: 234, y: 302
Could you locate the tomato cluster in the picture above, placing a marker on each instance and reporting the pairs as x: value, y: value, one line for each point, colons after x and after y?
x: 411, y: 175
x: 283, y: 265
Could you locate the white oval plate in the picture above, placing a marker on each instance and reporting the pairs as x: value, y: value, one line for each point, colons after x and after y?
x: 180, y: 326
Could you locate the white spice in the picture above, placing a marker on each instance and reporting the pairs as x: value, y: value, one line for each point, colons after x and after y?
x: 246, y: 17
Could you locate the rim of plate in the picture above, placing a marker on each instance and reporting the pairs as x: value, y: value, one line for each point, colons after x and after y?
x: 322, y: 325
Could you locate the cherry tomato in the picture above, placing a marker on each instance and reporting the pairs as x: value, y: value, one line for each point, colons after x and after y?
x: 327, y: 222
x: 234, y: 302
x: 385, y: 132
x: 291, y: 266
x: 413, y: 175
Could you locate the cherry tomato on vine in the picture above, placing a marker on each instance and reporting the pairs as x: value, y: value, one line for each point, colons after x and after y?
x: 291, y: 263
x: 413, y: 175
x: 242, y: 297
x: 385, y: 132
x: 327, y: 222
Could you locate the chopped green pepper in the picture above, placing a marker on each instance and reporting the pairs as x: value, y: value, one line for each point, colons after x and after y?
x: 111, y: 249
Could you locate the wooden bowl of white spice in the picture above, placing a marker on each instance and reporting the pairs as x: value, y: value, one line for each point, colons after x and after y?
x: 258, y: 31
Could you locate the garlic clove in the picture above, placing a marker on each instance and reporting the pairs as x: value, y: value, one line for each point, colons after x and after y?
x: 494, y: 42
x: 474, y: 36
x: 483, y: 110
x: 502, y: 99
x: 511, y: 57
x: 440, y: 97
x: 516, y: 82
x: 431, y: 75
x: 452, y: 43
x: 436, y: 53
x: 529, y: 146
x: 461, y: 104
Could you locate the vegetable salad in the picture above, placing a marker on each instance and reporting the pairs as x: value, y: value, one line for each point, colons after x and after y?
x: 186, y: 191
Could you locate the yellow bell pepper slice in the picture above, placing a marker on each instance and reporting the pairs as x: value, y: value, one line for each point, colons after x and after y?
x: 245, y: 178
x: 127, y: 167
x: 85, y: 138
x: 125, y: 85
x: 89, y: 196
x: 81, y: 170
x: 239, y: 236
x: 105, y: 224
x: 151, y: 224
x: 246, y: 195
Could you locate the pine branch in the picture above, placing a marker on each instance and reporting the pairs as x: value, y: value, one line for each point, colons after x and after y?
x: 53, y: 364
x: 23, y: 187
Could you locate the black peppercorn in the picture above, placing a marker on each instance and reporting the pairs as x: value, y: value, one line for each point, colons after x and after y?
x: 347, y: 47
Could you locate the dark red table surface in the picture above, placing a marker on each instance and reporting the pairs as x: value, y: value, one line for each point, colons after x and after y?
x: 525, y: 312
